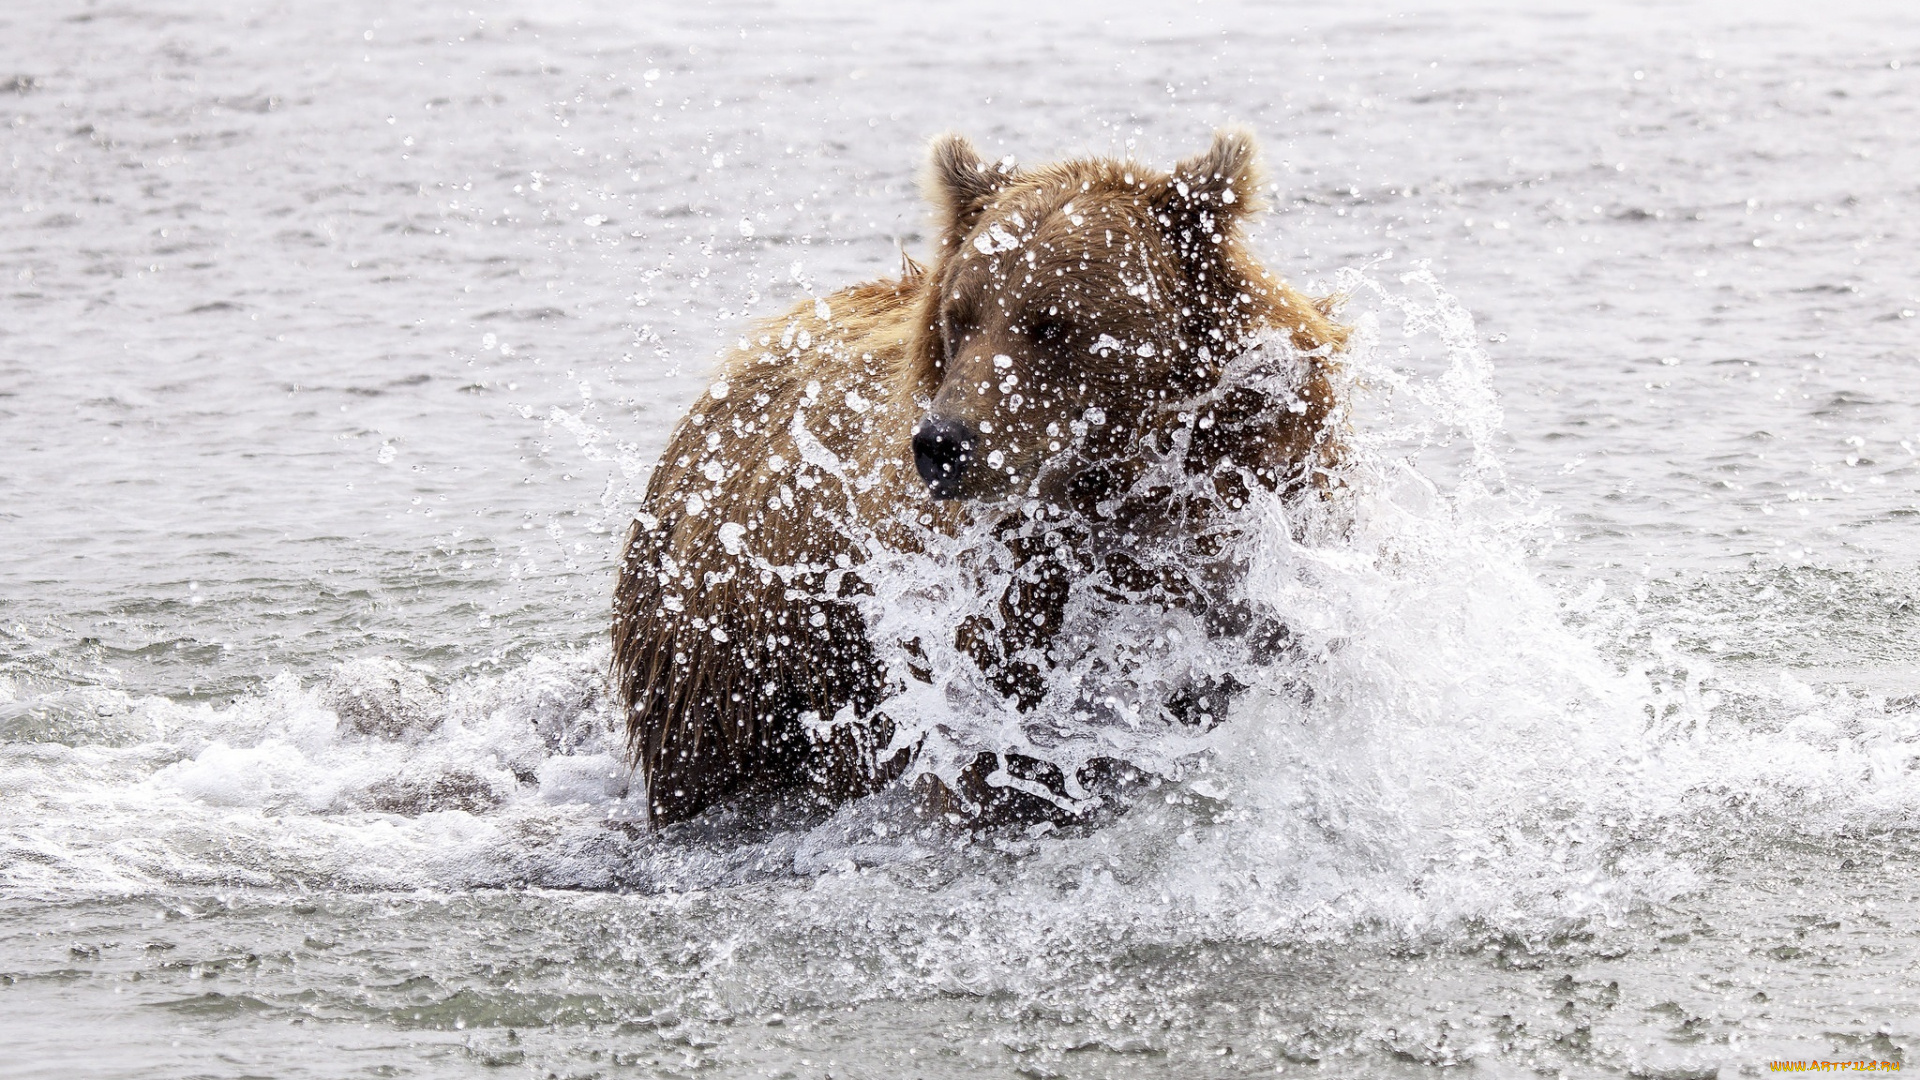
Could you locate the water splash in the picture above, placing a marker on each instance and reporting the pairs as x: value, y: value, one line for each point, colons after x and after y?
x: 1448, y: 743
x: 1434, y: 744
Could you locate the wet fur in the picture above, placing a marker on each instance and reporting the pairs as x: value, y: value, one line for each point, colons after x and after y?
x: 735, y: 645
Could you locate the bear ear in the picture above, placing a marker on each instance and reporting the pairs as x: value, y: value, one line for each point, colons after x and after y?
x: 960, y: 184
x: 1222, y: 183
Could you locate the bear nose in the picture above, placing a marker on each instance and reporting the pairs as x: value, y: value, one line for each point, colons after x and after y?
x: 942, y: 449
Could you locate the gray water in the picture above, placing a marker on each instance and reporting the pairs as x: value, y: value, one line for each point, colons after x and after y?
x: 336, y: 341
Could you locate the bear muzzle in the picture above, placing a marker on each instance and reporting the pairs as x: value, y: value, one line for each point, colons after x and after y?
x: 942, y: 451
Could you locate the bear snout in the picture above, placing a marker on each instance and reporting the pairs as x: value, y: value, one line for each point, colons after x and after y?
x: 942, y: 450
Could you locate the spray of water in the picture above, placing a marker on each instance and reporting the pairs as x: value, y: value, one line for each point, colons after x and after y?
x: 1444, y: 742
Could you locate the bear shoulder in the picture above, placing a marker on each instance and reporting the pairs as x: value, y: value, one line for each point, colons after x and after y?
x: 730, y: 614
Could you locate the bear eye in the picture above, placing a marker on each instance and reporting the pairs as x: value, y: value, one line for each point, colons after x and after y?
x: 952, y: 329
x: 1049, y: 332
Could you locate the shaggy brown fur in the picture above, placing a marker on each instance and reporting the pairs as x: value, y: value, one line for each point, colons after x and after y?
x: 1067, y: 307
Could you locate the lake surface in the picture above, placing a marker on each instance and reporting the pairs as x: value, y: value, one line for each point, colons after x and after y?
x: 336, y: 341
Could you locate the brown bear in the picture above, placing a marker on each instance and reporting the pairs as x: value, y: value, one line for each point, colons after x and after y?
x: 1067, y: 314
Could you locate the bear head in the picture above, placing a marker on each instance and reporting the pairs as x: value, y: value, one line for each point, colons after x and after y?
x: 1070, y: 306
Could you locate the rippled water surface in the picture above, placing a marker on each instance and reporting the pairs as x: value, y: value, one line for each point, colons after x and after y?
x: 336, y: 341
